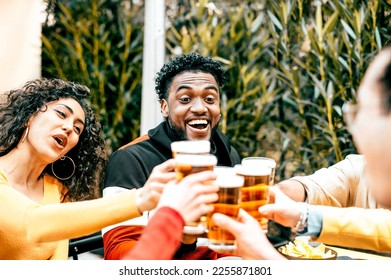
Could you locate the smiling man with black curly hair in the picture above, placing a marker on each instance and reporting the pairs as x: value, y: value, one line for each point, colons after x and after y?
x: 188, y: 89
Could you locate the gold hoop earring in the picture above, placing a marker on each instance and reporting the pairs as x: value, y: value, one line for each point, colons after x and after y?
x: 62, y: 166
x: 26, y: 132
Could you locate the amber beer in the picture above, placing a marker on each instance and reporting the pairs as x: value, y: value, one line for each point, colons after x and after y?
x: 186, y: 164
x: 228, y: 203
x: 192, y: 147
x: 255, y: 189
x: 260, y: 161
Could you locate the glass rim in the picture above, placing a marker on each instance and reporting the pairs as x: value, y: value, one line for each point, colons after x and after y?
x: 247, y: 160
x: 191, y: 146
x: 196, y: 159
x: 229, y: 180
x: 253, y: 170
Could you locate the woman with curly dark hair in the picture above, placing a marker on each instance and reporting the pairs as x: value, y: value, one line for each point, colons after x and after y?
x: 52, y: 156
x: 79, y: 168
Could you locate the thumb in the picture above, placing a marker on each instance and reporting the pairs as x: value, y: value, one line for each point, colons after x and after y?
x: 268, y: 210
x: 244, y: 217
x: 226, y: 223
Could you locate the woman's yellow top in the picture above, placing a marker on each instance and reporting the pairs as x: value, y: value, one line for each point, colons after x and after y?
x: 31, y: 230
x: 14, y: 244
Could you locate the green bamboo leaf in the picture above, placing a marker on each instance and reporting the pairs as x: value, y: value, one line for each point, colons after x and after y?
x: 255, y: 25
x: 343, y: 62
x: 274, y: 20
x: 304, y: 27
x: 272, y: 30
x: 348, y: 29
x: 285, y: 143
x: 378, y: 38
x: 345, y: 39
x: 319, y: 24
x: 331, y: 22
x: 316, y: 92
x: 338, y: 110
x: 357, y: 17
x: 289, y: 101
x: 330, y: 90
x: 284, y: 13
x: 314, y: 42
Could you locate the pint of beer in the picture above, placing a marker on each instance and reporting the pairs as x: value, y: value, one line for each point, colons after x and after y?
x: 192, y: 147
x: 260, y: 161
x: 186, y: 164
x: 230, y: 184
x: 255, y: 189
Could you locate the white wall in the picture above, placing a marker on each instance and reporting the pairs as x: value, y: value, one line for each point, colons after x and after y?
x: 153, y: 60
x: 20, y: 44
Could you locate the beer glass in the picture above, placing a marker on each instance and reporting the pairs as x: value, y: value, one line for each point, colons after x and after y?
x: 186, y: 164
x: 255, y: 189
x: 190, y: 147
x: 228, y: 203
x: 260, y: 161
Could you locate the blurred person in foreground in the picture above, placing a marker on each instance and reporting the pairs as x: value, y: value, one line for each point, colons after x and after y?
x: 188, y: 89
x: 52, y: 154
x: 354, y: 227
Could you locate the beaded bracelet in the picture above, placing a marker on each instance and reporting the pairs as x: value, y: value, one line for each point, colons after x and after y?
x: 302, y: 222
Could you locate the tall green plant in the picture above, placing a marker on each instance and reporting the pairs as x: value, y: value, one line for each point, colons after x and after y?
x: 291, y: 65
x: 99, y: 43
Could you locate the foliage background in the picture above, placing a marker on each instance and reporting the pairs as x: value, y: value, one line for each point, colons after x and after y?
x: 290, y: 65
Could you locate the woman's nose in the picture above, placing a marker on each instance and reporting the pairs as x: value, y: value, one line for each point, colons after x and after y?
x: 67, y: 127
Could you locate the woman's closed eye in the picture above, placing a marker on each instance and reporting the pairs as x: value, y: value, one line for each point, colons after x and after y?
x: 77, y: 130
x: 61, y: 114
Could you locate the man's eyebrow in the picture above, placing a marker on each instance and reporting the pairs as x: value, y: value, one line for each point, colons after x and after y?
x: 188, y: 87
x: 212, y: 87
x: 72, y: 112
x: 182, y: 87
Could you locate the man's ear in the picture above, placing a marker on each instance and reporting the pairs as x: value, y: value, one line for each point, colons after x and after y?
x: 164, y: 108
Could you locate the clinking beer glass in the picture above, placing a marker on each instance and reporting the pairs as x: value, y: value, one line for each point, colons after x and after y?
x: 186, y: 164
x: 255, y: 189
x: 259, y: 161
x: 228, y: 203
x: 196, y: 147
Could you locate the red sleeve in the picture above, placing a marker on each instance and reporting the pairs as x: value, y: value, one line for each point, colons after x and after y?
x: 120, y: 240
x: 201, y: 253
x: 160, y: 238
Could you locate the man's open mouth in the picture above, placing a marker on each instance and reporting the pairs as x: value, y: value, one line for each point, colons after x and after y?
x: 198, y: 124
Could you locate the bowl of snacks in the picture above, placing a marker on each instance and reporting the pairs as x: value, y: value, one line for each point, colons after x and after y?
x: 302, y: 249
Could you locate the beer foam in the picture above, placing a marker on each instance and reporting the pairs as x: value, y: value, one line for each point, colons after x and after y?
x: 253, y: 170
x: 196, y: 160
x: 194, y: 230
x: 229, y: 180
x: 221, y: 248
x: 191, y: 146
x: 259, y: 161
